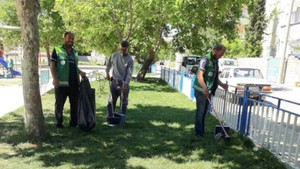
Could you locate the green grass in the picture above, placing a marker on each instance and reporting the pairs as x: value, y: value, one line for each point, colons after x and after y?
x: 90, y: 63
x: 11, y: 81
x: 159, y: 133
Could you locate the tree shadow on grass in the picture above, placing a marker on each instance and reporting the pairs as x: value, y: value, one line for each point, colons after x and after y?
x: 149, y: 132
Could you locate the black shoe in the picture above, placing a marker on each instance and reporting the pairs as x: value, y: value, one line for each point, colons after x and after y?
x: 59, y: 126
x: 200, y: 135
x: 73, y: 126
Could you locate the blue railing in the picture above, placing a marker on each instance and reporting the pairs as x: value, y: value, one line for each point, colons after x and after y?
x: 267, y: 124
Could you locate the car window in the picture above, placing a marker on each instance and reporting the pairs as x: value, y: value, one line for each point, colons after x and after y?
x: 258, y: 74
x: 191, y: 61
x: 226, y: 73
x: 229, y: 63
x: 222, y: 75
x: 247, y: 73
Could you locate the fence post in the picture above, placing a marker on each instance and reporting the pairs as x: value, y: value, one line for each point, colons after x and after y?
x: 165, y: 74
x: 161, y: 69
x: 244, y: 111
x: 174, y: 75
x: 249, y: 117
x: 169, y: 75
x: 192, y: 89
x: 181, y: 81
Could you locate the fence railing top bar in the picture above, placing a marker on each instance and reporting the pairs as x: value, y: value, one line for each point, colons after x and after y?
x: 273, y: 106
x: 266, y: 95
x: 274, y: 97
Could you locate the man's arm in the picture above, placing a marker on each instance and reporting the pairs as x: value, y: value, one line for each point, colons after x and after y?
x: 53, y: 68
x: 224, y: 86
x: 129, y: 72
x: 202, y: 82
x: 128, y: 77
x: 108, y: 66
x: 82, y: 74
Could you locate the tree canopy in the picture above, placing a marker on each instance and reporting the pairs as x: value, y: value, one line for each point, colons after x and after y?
x: 255, y: 31
x: 193, y: 26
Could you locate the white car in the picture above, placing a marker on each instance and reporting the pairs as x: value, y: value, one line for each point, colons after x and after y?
x: 240, y: 77
x: 226, y: 63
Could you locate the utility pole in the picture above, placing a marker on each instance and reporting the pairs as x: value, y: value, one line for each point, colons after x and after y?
x: 283, y: 53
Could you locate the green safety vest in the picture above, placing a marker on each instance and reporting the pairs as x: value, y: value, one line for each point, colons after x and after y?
x: 209, y: 75
x: 62, y: 66
x: 10, y: 63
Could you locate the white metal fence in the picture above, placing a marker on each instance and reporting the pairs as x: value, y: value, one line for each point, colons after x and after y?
x: 266, y: 124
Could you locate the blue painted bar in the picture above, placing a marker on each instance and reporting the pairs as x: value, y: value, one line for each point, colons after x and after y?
x: 169, y: 75
x: 192, y: 89
x: 239, y: 115
x: 161, y: 70
x: 249, y: 117
x: 174, y: 78
x: 279, y: 102
x: 244, y: 111
x: 181, y: 81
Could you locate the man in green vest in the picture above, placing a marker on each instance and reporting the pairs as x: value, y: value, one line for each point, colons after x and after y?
x: 65, y: 73
x: 205, y: 85
x: 10, y: 66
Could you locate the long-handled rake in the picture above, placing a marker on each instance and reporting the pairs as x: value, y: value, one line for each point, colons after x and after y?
x: 219, y: 135
x: 115, y: 117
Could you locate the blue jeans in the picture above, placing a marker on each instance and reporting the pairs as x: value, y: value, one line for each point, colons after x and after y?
x: 202, y: 105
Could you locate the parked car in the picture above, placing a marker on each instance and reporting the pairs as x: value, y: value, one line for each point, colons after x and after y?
x: 226, y: 63
x: 188, y: 62
x: 223, y: 63
x: 240, y: 77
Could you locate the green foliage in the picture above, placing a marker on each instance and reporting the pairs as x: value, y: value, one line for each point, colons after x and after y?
x: 101, y: 25
x: 8, y: 16
x: 235, y: 48
x: 202, y: 24
x: 297, y: 48
x: 166, y: 53
x: 51, y: 25
x: 99, y: 77
x: 274, y: 18
x: 255, y: 31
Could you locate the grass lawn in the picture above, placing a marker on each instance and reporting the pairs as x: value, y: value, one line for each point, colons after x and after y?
x: 12, y: 81
x: 89, y: 63
x: 159, y: 133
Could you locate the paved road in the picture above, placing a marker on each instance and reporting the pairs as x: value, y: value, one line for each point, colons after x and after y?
x: 286, y: 92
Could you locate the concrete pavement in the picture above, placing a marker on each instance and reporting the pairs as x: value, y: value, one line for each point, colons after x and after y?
x: 11, y: 97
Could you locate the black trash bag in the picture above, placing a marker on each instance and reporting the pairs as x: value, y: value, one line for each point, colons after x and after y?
x: 86, y: 105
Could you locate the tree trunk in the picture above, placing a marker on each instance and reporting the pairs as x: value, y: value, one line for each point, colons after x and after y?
x: 146, y: 65
x: 34, y: 119
x: 47, y: 52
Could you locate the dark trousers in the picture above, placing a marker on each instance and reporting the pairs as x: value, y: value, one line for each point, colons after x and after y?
x: 115, y: 88
x: 61, y: 94
x: 202, y: 106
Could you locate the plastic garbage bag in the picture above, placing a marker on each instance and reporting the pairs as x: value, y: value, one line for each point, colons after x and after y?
x: 86, y: 105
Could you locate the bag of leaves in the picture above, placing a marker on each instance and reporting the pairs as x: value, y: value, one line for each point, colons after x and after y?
x: 86, y: 105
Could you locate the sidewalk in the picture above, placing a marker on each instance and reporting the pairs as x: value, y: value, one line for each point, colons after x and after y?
x: 11, y: 97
